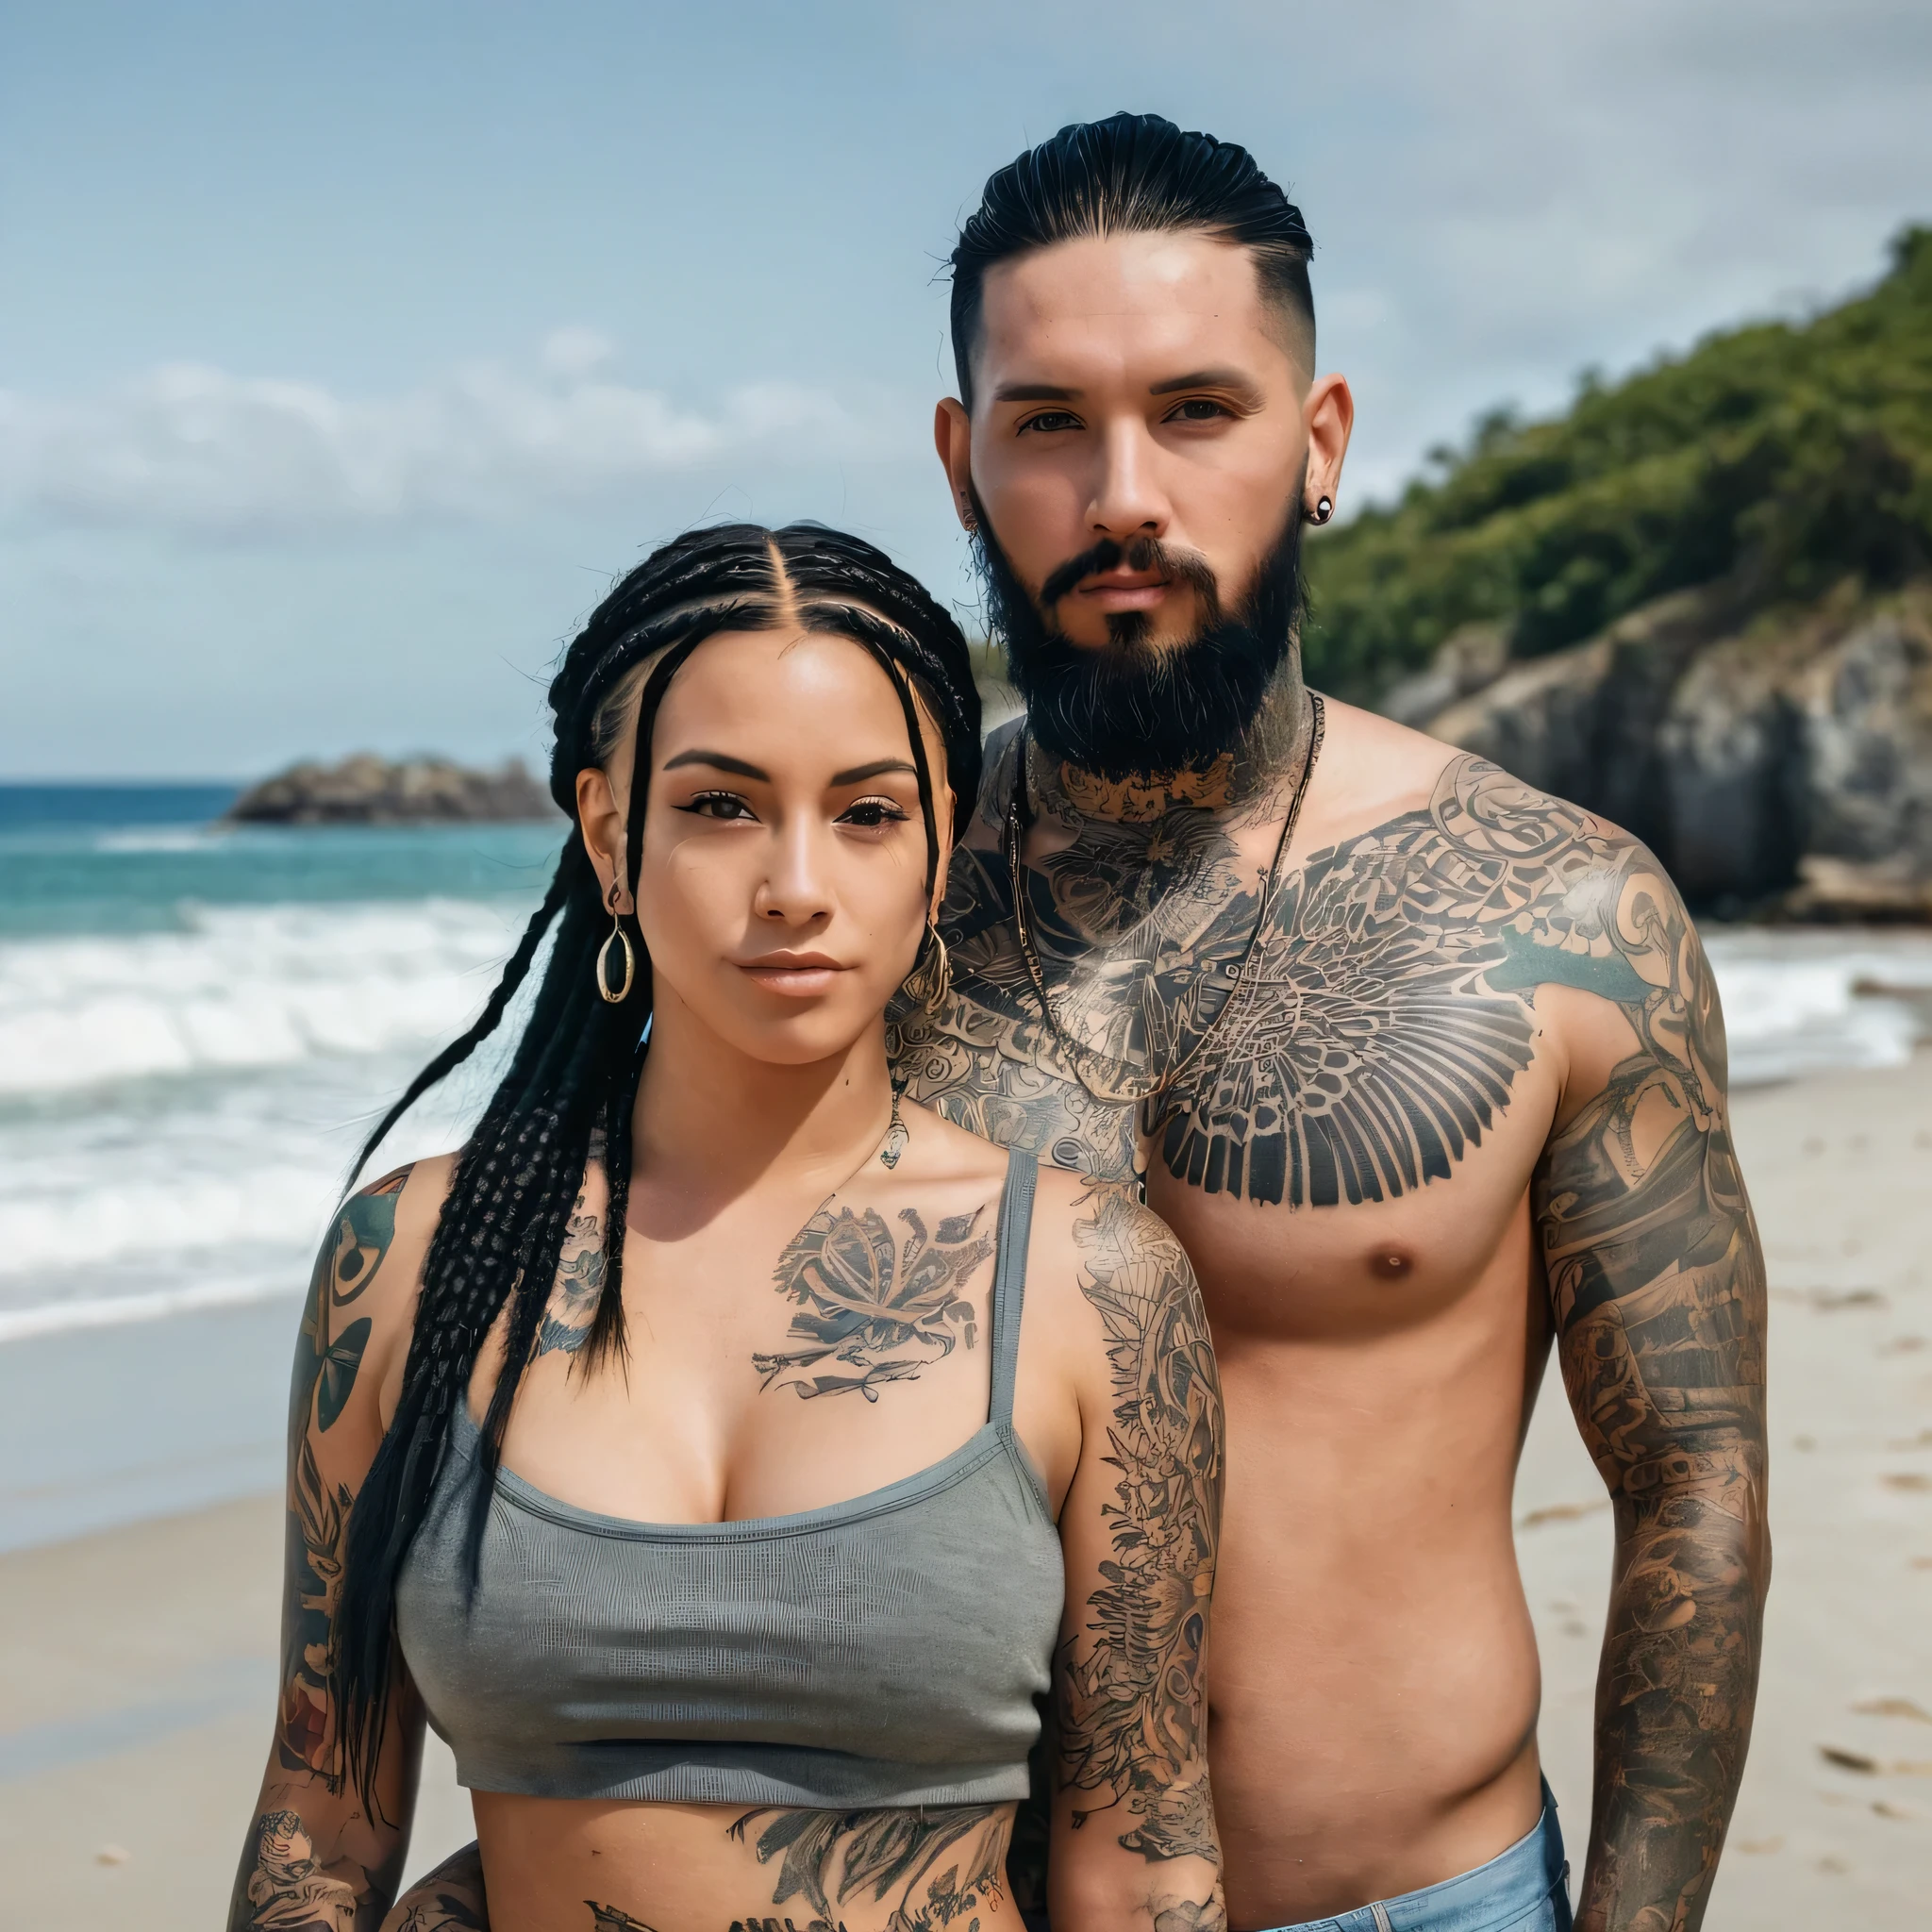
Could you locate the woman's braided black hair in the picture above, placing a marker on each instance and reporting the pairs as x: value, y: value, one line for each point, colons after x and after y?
x: 568, y: 1094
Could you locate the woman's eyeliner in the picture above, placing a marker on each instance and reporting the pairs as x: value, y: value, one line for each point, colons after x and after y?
x: 698, y: 805
x: 884, y: 811
x: 866, y: 814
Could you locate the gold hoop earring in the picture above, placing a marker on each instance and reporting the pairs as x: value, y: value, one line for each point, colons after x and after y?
x: 631, y: 963
x: 935, y: 971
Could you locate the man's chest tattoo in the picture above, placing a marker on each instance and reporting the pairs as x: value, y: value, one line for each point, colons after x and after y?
x: 1370, y: 1036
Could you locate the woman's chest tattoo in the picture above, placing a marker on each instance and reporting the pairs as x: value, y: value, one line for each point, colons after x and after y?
x: 872, y: 1305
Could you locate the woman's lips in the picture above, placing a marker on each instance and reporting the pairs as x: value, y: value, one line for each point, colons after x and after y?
x: 801, y: 978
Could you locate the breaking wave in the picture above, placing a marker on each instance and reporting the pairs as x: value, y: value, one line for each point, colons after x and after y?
x: 178, y: 1109
x: 255, y: 987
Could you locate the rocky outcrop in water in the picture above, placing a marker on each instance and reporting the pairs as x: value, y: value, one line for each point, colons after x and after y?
x: 1781, y: 765
x: 369, y: 791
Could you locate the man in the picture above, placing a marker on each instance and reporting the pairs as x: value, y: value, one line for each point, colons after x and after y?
x: 1422, y: 1067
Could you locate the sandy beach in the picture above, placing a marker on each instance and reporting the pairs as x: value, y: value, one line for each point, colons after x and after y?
x: 136, y: 1663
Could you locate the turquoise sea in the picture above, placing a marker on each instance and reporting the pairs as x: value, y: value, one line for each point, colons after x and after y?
x: 195, y: 1018
x: 121, y: 860
x: 197, y: 1024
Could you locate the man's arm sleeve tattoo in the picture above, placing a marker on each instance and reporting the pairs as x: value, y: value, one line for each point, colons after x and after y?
x: 1657, y: 1283
x: 1130, y: 1699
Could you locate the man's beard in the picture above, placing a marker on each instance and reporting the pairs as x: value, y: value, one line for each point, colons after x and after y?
x: 1129, y: 707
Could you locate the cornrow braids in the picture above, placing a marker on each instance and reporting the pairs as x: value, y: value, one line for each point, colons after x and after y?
x: 831, y: 571
x: 897, y: 652
x: 567, y: 1095
x: 868, y: 630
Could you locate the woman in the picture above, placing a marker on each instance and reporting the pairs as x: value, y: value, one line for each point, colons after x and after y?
x: 723, y: 1456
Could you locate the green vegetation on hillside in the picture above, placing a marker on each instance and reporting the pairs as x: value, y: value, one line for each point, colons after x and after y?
x: 1786, y: 458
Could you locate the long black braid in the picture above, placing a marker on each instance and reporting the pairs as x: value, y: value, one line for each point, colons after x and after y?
x: 569, y: 1092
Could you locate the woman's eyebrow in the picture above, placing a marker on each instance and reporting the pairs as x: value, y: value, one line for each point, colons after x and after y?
x: 719, y: 761
x: 877, y: 769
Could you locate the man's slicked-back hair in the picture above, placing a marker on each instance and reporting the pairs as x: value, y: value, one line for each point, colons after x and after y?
x: 1132, y: 173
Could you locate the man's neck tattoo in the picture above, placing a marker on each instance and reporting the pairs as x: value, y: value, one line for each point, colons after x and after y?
x: 1238, y: 970
x: 1274, y: 745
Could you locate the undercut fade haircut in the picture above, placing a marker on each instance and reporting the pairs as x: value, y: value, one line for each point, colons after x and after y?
x: 1133, y: 174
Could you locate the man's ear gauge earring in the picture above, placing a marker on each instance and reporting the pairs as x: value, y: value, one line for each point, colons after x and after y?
x: 1324, y: 509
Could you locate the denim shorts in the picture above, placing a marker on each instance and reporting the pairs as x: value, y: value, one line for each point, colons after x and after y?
x: 1525, y: 1889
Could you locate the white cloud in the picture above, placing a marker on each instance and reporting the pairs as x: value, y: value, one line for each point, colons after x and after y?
x: 189, y: 447
x: 574, y: 355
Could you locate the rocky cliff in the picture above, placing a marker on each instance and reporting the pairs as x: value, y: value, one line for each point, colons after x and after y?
x: 369, y: 791
x: 1699, y: 601
x: 1779, y: 761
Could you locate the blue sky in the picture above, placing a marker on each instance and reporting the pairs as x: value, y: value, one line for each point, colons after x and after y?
x: 347, y: 352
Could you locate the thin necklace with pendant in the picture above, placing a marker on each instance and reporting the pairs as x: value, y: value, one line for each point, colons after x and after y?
x: 896, y: 1137
x: 886, y: 1151
x: 1077, y: 1051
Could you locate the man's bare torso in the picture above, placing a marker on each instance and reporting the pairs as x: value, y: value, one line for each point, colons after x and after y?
x: 1349, y: 1158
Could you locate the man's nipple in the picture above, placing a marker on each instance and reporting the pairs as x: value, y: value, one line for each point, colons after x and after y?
x: 1390, y: 1263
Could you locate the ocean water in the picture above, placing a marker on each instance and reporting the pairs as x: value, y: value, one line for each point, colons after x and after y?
x: 198, y: 1024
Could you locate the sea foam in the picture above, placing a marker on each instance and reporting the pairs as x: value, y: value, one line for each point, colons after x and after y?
x: 1803, y: 1001
x: 254, y: 987
x: 178, y: 1109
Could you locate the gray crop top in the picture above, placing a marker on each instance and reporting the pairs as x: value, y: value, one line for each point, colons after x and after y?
x: 884, y: 1651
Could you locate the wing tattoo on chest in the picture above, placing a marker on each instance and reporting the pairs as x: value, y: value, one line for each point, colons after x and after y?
x: 1369, y: 1042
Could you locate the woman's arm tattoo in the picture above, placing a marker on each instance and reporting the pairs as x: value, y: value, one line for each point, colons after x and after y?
x: 449, y: 1899
x: 329, y: 1357
x: 286, y: 1882
x: 282, y: 1885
